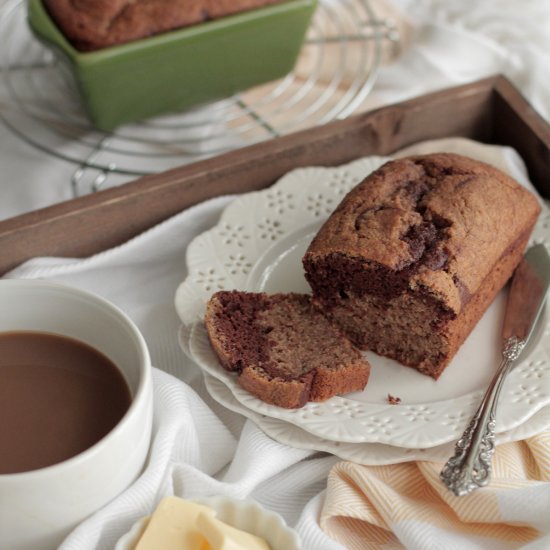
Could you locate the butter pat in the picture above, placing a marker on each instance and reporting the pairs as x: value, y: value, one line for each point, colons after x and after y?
x: 177, y: 524
x: 173, y: 525
x: 224, y: 537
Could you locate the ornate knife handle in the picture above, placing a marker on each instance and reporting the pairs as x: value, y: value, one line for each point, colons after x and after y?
x: 470, y: 466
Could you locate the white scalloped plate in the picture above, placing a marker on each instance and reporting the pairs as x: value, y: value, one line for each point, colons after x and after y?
x: 369, y: 454
x: 258, y: 244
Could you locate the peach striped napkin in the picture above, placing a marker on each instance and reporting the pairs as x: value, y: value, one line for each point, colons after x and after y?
x: 406, y: 505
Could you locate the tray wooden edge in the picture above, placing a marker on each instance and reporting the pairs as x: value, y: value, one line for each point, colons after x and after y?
x: 489, y: 110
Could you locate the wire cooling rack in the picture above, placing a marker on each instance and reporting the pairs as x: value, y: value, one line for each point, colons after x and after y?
x: 39, y: 102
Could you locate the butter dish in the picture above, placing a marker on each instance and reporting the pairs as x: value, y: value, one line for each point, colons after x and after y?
x: 245, y: 515
x: 176, y: 70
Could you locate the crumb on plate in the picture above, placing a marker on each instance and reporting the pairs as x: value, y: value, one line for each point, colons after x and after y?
x: 392, y: 400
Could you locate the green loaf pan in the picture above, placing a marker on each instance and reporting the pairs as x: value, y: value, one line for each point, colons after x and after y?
x: 176, y: 70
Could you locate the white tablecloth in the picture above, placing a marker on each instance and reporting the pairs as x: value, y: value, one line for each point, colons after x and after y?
x: 199, y: 448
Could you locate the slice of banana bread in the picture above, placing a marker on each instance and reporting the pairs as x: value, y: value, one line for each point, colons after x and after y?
x: 284, y: 350
x: 414, y: 255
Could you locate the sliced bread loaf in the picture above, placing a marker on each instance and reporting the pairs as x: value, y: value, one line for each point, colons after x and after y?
x: 284, y: 350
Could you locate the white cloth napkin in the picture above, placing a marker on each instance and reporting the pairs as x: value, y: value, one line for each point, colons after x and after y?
x: 451, y: 43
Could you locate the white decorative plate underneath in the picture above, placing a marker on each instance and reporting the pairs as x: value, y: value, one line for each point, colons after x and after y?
x: 258, y: 245
x: 369, y: 454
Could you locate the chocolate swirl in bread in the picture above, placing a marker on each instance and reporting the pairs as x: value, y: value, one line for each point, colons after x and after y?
x: 283, y: 349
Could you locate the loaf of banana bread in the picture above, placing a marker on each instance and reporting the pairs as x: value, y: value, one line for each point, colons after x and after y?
x: 95, y: 24
x: 413, y: 256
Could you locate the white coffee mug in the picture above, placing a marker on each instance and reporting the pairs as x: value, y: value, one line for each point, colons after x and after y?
x: 40, y: 507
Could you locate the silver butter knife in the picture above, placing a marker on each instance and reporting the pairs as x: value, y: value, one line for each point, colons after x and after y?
x: 470, y: 466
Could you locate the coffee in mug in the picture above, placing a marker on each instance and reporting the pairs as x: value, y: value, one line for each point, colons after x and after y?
x: 58, y: 397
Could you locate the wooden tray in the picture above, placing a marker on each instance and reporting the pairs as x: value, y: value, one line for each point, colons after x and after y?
x: 489, y: 110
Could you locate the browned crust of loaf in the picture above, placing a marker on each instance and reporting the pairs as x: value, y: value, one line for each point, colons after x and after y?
x: 94, y: 24
x: 318, y: 384
x: 481, y: 208
x: 353, y: 377
x: 473, y: 311
x: 288, y: 394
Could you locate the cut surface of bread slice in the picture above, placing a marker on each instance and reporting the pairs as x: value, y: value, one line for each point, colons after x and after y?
x: 283, y: 349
